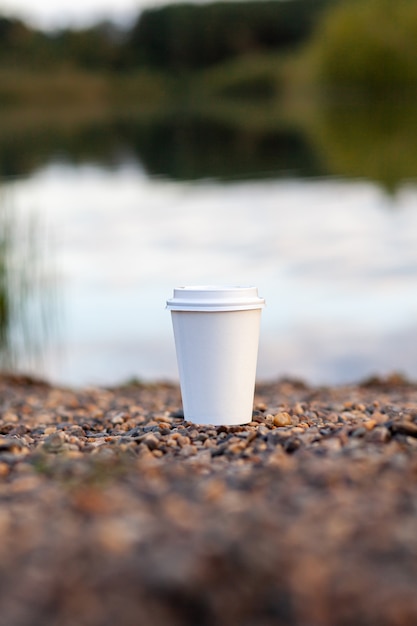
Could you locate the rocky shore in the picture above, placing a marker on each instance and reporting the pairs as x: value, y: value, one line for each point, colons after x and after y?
x: 114, y: 510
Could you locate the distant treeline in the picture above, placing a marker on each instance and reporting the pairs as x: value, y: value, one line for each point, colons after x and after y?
x: 187, y: 36
x: 174, y: 37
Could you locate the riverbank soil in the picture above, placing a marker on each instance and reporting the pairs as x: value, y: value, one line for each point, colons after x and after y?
x: 114, y: 510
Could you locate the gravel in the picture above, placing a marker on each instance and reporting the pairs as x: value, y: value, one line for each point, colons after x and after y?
x: 113, y: 509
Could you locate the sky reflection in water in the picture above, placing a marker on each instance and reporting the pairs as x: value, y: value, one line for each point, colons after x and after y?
x: 336, y: 261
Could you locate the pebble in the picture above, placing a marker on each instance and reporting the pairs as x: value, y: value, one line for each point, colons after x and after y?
x: 115, y: 504
x: 404, y: 428
x: 151, y: 441
x: 53, y: 442
x: 380, y: 434
x: 359, y: 432
x: 282, y: 419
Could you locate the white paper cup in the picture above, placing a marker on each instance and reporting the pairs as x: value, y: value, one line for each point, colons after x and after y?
x: 216, y: 332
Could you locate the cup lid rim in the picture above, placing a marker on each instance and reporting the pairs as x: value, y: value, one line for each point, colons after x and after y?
x: 215, y: 298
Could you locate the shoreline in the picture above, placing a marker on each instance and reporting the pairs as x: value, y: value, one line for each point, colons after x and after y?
x: 113, y: 507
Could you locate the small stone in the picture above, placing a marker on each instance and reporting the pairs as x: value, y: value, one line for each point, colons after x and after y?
x: 258, y: 417
x: 117, y: 419
x: 151, y: 442
x: 25, y: 484
x: 292, y: 444
x: 359, y: 432
x: 53, y: 443
x: 214, y: 490
x: 297, y: 430
x: 236, y: 448
x: 380, y: 434
x: 144, y: 452
x: 332, y: 444
x: 12, y: 446
x: 380, y: 418
x: 299, y: 409
x: 183, y: 441
x: 188, y: 450
x: 10, y: 417
x: 404, y: 428
x: 282, y: 419
x: 4, y: 469
x: 116, y: 536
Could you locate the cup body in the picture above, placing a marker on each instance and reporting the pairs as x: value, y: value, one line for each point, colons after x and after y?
x: 216, y: 333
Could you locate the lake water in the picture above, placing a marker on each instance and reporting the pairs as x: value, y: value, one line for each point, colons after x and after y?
x: 92, y: 251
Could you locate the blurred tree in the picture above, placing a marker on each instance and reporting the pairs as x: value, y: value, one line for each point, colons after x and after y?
x: 176, y: 36
x: 4, y: 291
x: 375, y: 140
x: 98, y: 47
x: 188, y: 36
x: 22, y: 46
x: 368, y: 46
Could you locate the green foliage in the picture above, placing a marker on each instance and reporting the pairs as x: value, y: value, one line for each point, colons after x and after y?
x: 373, y: 140
x: 20, y: 45
x: 97, y: 48
x: 368, y: 45
x: 189, y: 36
x: 256, y: 77
x: 4, y: 279
x: 174, y: 37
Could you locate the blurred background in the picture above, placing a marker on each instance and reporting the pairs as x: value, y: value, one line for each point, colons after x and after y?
x: 146, y: 145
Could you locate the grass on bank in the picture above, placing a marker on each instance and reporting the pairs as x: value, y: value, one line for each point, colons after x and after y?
x: 69, y: 87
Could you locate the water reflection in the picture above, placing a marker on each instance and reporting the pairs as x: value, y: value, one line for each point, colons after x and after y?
x: 137, y: 206
x: 338, y: 271
x: 177, y: 146
x: 27, y: 293
x: 372, y: 140
x: 197, y: 148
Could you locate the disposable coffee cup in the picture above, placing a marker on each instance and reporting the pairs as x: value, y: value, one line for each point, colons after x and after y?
x: 216, y: 331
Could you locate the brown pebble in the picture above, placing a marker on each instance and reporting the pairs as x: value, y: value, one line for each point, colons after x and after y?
x: 380, y: 434
x: 12, y: 446
x: 8, y: 416
x: 117, y: 419
x: 282, y: 419
x: 53, y: 443
x: 380, y: 418
x: 188, y: 450
x: 213, y: 490
x: 25, y: 484
x: 299, y: 409
x: 151, y: 441
x: 404, y: 428
x: 236, y: 448
x: 115, y: 536
x: 4, y: 469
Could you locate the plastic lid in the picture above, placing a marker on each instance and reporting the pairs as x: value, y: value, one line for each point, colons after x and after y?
x: 215, y: 298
